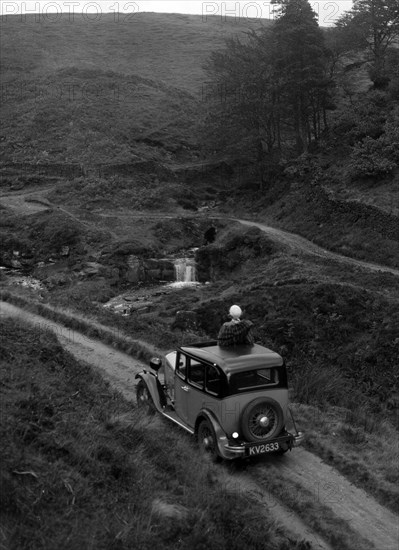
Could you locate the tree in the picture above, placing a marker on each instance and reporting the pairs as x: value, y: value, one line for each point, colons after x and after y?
x: 301, y: 67
x: 273, y: 89
x: 372, y: 24
x: 244, y: 118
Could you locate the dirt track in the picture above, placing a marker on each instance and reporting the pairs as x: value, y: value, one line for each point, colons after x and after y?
x: 375, y: 526
x: 301, y: 244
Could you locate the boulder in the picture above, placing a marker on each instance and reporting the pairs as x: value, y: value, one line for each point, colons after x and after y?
x: 134, y: 272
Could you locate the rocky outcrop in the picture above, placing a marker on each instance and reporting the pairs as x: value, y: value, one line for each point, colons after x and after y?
x: 149, y: 270
x: 231, y: 252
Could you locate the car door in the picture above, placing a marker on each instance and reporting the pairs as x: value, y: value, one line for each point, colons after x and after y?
x: 181, y: 387
x: 195, y: 392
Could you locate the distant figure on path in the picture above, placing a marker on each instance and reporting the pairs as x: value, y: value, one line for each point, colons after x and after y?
x: 236, y: 331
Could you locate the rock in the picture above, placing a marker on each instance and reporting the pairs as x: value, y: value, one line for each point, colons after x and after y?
x: 135, y: 271
x: 58, y: 279
x: 151, y: 270
x: 16, y: 264
x: 170, y: 511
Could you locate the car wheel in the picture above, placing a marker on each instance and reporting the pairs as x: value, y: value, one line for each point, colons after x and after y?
x: 262, y: 419
x: 143, y: 396
x: 206, y: 438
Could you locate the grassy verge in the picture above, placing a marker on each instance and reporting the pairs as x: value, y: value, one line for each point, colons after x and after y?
x: 319, y: 517
x: 82, y: 468
x: 362, y: 446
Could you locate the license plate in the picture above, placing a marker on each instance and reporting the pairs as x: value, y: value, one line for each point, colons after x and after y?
x: 261, y: 449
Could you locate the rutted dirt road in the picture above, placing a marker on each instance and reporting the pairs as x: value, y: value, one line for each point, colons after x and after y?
x: 375, y: 526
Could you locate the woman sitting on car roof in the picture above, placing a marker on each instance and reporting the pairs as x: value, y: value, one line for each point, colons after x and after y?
x: 237, y: 331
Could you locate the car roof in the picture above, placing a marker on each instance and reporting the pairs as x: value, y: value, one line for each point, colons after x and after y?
x: 234, y: 358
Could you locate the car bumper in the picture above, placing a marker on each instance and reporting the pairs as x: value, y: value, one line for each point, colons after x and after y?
x: 230, y: 451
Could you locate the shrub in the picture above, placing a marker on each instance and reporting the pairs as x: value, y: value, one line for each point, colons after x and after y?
x: 376, y: 157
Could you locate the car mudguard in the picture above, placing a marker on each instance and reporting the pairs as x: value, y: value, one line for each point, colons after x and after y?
x: 154, y: 387
x: 221, y: 438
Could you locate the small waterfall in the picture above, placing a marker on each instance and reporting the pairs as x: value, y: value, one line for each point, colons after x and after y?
x: 185, y: 270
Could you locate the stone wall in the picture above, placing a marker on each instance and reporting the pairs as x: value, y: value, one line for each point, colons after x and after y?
x: 131, y: 169
x: 25, y: 169
x: 363, y: 214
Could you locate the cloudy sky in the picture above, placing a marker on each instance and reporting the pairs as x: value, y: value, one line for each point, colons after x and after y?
x: 328, y: 10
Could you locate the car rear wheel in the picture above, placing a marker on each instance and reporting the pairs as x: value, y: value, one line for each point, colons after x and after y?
x: 206, y: 438
x: 262, y: 419
x: 143, y: 396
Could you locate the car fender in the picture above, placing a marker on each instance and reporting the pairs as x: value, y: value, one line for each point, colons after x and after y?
x: 221, y: 437
x: 154, y: 387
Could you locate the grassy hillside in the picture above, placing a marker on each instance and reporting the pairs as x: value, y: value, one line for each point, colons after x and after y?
x: 101, y: 91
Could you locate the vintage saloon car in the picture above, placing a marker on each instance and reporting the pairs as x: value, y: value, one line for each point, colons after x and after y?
x: 234, y: 400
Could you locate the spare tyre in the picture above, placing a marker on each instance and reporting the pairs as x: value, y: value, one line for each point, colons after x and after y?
x: 262, y: 419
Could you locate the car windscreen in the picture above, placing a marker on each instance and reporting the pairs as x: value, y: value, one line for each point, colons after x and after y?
x: 254, y: 379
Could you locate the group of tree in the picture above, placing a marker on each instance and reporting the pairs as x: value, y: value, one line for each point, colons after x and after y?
x: 372, y: 26
x: 271, y: 92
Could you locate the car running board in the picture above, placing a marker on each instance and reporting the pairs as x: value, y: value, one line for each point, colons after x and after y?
x: 173, y: 416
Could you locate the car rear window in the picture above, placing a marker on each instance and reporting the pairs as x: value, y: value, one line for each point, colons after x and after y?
x: 254, y: 379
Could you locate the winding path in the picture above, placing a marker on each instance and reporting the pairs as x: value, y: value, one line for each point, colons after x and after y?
x: 305, y: 246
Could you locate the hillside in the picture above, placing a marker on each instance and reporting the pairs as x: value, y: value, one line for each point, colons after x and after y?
x: 94, y: 107
x: 100, y: 92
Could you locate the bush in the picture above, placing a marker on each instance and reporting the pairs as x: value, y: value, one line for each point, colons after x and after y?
x: 377, y: 157
x: 365, y: 117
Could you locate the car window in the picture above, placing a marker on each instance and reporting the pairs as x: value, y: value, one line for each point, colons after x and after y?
x: 181, y: 366
x: 196, y: 374
x: 213, y: 380
x: 253, y: 379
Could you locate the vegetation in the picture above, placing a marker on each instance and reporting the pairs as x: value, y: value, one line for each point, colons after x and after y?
x: 357, y: 443
x: 377, y: 157
x: 372, y: 25
x: 273, y: 89
x: 81, y: 468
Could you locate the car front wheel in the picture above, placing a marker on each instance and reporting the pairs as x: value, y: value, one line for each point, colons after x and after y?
x: 143, y: 396
x: 206, y: 438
